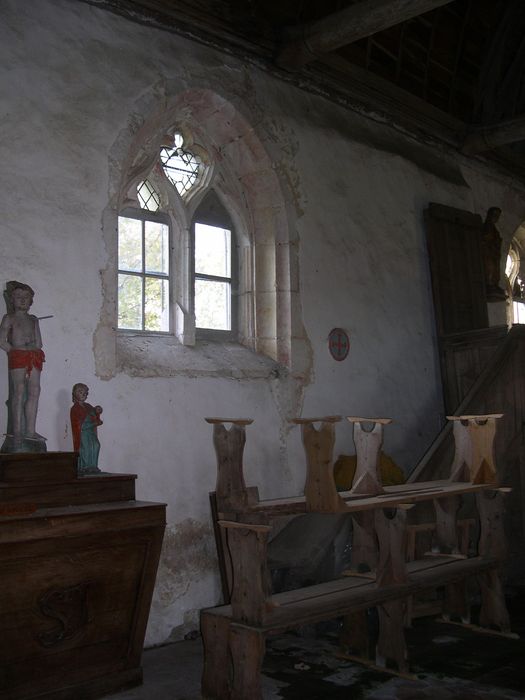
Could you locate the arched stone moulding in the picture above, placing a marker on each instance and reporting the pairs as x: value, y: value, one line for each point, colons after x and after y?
x: 245, y: 179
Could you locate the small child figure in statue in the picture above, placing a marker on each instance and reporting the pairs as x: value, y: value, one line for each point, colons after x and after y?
x: 20, y: 338
x: 85, y: 419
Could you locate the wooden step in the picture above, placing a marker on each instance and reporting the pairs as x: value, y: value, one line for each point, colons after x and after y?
x: 44, y: 466
x: 84, y: 490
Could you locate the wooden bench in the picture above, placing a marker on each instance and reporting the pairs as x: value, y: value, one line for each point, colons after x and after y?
x: 234, y: 635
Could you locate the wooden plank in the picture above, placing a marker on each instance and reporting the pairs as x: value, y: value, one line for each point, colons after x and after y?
x: 296, y: 504
x: 320, y: 590
x: 234, y: 421
x: 357, y: 419
x: 374, y: 666
x: 428, y: 563
x: 323, y: 419
x: 46, y: 466
x: 235, y: 525
x: 93, y: 488
x: 480, y: 630
x: 394, y: 496
x: 303, y: 608
x: 70, y: 522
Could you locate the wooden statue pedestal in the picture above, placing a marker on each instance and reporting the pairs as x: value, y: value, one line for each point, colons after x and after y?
x: 78, y: 560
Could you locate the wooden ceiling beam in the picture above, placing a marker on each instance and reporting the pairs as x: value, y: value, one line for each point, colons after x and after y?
x: 487, y: 138
x: 309, y: 41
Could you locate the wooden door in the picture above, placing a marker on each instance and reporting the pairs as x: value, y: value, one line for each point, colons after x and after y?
x: 456, y: 266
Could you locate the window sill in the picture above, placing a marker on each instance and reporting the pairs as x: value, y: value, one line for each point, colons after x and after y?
x: 163, y: 356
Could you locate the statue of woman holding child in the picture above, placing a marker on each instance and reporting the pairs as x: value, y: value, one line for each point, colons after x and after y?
x: 85, y: 420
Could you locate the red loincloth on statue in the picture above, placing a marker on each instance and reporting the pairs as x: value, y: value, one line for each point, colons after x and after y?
x: 26, y: 359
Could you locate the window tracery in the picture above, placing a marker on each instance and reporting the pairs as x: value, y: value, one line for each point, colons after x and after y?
x: 237, y: 170
x: 182, y: 167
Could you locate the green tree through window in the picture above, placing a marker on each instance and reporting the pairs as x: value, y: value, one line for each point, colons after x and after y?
x: 143, y: 272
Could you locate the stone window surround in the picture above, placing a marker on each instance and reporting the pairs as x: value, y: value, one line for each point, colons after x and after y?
x: 244, y: 179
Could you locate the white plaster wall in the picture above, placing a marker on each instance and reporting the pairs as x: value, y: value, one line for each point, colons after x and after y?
x: 70, y: 77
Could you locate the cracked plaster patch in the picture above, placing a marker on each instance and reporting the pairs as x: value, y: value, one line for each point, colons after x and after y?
x: 188, y: 555
x: 188, y: 551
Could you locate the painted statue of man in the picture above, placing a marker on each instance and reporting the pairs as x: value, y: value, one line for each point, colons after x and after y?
x: 491, y: 251
x: 20, y: 338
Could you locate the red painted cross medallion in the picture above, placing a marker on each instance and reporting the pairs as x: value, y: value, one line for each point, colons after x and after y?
x: 338, y: 344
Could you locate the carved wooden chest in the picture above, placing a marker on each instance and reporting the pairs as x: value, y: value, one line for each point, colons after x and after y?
x: 76, y: 581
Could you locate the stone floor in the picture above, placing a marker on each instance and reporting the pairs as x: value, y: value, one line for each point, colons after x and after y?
x: 447, y: 662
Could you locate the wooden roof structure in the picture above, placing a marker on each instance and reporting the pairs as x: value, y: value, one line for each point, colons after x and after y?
x: 449, y: 69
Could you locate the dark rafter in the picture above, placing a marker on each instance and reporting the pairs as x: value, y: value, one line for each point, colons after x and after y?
x: 490, y: 137
x: 347, y: 26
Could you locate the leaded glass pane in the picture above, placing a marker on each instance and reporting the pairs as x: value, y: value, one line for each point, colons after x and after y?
x: 182, y: 168
x: 130, y: 302
x: 156, y: 305
x: 212, y: 250
x: 213, y: 305
x: 156, y: 244
x: 148, y: 196
x: 129, y: 244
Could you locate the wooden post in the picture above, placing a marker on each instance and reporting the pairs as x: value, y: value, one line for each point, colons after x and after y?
x: 354, y: 636
x: 248, y: 546
x: 474, y: 455
x: 492, y: 544
x: 391, y: 570
x: 215, y: 631
x: 493, y: 611
x: 367, y: 477
x: 364, y: 554
x: 522, y: 485
x: 390, y: 526
x: 320, y: 490
x: 391, y: 645
x: 456, y: 603
x: 247, y: 647
x: 446, y: 525
x: 231, y: 492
